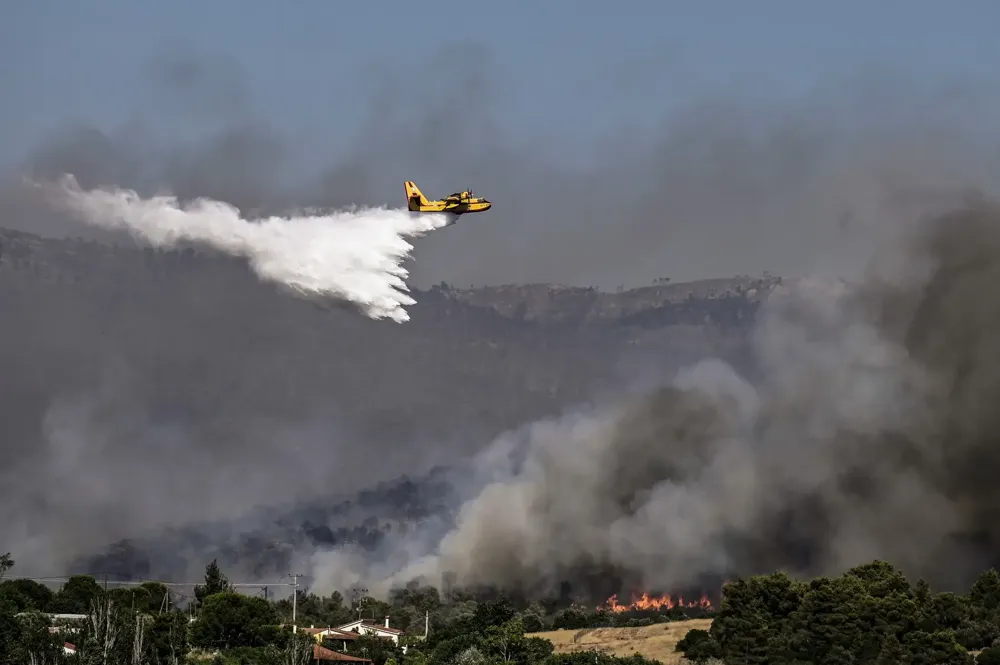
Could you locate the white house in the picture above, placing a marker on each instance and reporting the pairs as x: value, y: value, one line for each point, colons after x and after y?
x: 361, y: 627
x: 330, y: 634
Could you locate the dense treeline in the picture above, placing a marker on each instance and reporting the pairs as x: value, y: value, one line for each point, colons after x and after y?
x: 870, y: 615
x: 141, y: 625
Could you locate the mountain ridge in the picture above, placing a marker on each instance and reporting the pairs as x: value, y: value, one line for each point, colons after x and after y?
x: 536, y: 301
x: 182, y: 366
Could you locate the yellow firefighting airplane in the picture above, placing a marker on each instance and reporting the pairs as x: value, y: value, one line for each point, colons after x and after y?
x: 458, y: 203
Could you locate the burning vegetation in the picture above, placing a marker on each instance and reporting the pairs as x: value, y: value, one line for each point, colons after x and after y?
x: 648, y: 602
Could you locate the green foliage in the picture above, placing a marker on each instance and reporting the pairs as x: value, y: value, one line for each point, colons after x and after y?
x: 596, y: 658
x: 415, y: 657
x: 215, y: 582
x: 492, y: 613
x: 870, y: 615
x: 532, y: 622
x: 698, y: 646
x: 229, y: 620
x: 505, y: 641
x: 989, y: 656
x: 298, y: 651
x: 6, y: 563
x: 157, y: 597
x: 536, y: 649
x: 313, y: 610
x: 35, y: 644
x: 137, y: 598
x: 26, y: 595
x: 168, y: 638
x: 570, y: 618
x: 378, y: 649
x: 76, y: 596
x: 10, y: 631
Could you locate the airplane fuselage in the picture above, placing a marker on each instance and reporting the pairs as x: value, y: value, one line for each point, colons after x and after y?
x: 460, y: 203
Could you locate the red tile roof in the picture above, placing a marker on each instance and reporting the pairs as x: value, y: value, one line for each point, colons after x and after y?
x: 322, y: 653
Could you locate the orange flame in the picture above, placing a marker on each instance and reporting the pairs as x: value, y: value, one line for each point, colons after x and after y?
x: 647, y: 602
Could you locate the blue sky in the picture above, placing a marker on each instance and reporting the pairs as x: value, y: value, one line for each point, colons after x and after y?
x: 70, y: 61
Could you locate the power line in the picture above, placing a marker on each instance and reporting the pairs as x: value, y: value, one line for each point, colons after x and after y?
x: 255, y: 585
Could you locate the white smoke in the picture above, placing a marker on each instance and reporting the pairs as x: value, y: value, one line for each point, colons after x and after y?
x: 353, y: 256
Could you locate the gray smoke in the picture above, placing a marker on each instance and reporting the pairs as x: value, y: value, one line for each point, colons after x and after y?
x: 165, y: 391
x: 869, y: 433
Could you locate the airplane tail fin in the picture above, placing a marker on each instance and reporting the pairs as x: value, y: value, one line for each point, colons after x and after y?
x: 414, y: 197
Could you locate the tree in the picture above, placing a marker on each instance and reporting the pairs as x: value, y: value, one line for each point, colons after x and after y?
x: 167, y: 638
x: 470, y: 656
x: 27, y: 594
x: 754, y: 612
x: 532, y: 623
x: 76, y: 596
x: 570, y: 618
x: 10, y: 631
x: 299, y: 650
x: 230, y: 619
x: 414, y: 657
x: 984, y: 596
x: 989, y: 656
x: 881, y: 579
x: 6, y: 563
x: 378, y: 649
x: 113, y: 633
x: 938, y: 648
x: 891, y: 652
x: 698, y: 646
x: 135, y: 598
x: 316, y: 610
x: 506, y: 641
x: 492, y: 613
x: 158, y: 597
x: 215, y: 582
x: 36, y: 645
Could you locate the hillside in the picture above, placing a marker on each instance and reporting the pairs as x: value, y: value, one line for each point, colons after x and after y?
x: 132, y: 373
x: 655, y: 642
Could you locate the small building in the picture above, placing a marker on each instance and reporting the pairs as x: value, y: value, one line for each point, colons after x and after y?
x: 361, y: 627
x: 330, y: 634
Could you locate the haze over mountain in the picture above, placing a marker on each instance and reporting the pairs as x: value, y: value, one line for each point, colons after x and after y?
x: 146, y: 389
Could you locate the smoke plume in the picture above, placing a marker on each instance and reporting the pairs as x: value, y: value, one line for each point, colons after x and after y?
x: 162, y: 389
x: 868, y: 432
x: 354, y: 256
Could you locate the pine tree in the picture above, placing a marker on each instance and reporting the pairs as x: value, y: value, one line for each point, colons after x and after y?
x: 215, y: 582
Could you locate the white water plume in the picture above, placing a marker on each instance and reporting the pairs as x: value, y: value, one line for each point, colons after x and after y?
x: 353, y: 256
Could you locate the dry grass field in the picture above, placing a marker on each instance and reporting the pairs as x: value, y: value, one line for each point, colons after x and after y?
x: 656, y: 641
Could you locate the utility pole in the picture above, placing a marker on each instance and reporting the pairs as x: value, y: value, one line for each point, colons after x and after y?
x: 295, y: 597
x: 359, y: 598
